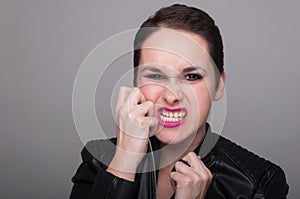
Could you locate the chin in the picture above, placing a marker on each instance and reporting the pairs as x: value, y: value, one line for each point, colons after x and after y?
x: 165, y: 139
x: 173, y: 137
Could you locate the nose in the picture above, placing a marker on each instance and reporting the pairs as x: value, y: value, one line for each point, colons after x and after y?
x: 172, y: 93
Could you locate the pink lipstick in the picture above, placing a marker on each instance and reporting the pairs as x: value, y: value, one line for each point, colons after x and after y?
x: 171, y: 117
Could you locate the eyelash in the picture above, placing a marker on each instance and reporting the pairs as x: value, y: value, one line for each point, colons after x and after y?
x: 193, y: 77
x: 188, y: 77
x: 155, y: 76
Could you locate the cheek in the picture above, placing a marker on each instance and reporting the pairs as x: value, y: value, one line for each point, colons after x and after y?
x: 151, y: 92
x: 200, y: 98
x: 197, y: 92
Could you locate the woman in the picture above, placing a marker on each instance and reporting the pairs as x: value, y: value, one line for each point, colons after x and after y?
x: 164, y: 147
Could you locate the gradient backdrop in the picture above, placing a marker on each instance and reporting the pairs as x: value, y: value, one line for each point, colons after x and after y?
x: 43, y: 43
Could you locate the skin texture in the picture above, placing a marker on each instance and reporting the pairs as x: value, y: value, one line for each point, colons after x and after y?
x: 132, y: 133
x: 174, y: 75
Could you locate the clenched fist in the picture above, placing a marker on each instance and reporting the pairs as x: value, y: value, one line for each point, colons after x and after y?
x: 191, y: 181
x: 134, y: 120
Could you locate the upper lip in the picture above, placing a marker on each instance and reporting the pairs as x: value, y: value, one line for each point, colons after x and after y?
x: 172, y: 109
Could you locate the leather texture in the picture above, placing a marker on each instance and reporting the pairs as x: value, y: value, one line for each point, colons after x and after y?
x: 237, y: 173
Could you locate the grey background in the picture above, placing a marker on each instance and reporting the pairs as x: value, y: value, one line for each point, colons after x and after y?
x: 42, y: 44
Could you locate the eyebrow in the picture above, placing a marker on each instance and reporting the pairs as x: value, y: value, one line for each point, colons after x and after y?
x: 151, y: 68
x: 193, y: 68
x: 185, y: 70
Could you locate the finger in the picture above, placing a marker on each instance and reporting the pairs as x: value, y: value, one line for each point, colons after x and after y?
x: 196, y: 163
x: 183, y: 168
x: 200, y: 176
x: 176, y: 177
x: 153, y: 129
x: 142, y: 97
x: 193, y: 160
x: 135, y: 97
x: 143, y: 109
x: 200, y: 170
x: 122, y: 97
x: 182, y: 184
x: 147, y: 110
x: 141, y: 112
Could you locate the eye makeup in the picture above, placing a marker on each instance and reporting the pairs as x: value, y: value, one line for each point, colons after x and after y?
x: 189, y: 74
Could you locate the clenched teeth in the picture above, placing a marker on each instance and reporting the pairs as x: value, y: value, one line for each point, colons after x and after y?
x: 172, y: 116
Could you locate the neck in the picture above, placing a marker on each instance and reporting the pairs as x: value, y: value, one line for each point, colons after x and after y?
x: 171, y: 153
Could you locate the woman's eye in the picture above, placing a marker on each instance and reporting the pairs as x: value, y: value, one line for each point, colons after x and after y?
x: 192, y: 77
x: 155, y: 76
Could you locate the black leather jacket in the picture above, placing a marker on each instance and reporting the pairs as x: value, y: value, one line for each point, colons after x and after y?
x: 237, y: 173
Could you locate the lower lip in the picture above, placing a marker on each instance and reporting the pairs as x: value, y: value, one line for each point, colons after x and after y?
x: 168, y: 124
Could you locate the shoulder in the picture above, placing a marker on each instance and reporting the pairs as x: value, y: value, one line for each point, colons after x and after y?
x: 247, y: 162
x: 256, y: 173
x: 98, y: 153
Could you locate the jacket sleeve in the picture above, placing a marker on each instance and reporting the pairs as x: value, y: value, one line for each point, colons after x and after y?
x: 273, y: 185
x: 92, y: 181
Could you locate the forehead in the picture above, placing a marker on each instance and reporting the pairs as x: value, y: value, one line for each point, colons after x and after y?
x: 173, y: 48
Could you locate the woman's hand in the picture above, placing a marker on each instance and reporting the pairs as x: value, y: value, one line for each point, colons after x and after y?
x: 191, y: 182
x: 133, y: 124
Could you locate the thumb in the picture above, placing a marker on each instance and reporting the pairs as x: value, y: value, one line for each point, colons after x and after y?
x: 153, y: 127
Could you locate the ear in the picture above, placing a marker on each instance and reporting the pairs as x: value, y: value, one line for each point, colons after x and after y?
x: 220, y: 89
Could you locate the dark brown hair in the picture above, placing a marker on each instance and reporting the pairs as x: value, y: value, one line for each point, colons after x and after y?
x: 182, y: 17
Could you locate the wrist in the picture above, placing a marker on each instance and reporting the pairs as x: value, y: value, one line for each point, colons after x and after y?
x: 124, y: 175
x: 124, y: 164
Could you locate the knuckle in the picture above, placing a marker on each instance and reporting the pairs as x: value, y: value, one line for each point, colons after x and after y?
x: 205, y: 178
x: 150, y: 103
x: 147, y: 104
x: 135, y: 90
x: 187, y: 181
x: 177, y: 164
x: 191, y: 154
x: 141, y: 122
x: 198, y: 178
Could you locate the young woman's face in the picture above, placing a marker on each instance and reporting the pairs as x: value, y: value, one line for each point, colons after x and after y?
x: 177, y: 75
